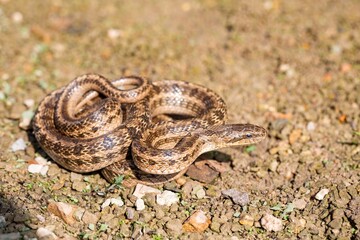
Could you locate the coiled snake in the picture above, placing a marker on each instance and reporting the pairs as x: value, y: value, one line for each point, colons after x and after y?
x: 93, y: 123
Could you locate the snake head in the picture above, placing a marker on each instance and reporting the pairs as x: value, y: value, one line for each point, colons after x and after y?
x: 239, y: 134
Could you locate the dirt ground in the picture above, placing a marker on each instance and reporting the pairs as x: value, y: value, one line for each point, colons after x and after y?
x: 290, y: 66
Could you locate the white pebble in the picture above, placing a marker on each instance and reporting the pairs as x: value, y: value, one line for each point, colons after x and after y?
x: 40, y: 218
x: 141, y: 190
x: 114, y: 33
x: 112, y: 201
x: 35, y: 168
x: 311, y: 126
x: 271, y: 223
x: 167, y: 198
x: 140, y: 205
x: 29, y: 103
x: 18, y: 145
x: 322, y: 193
x: 44, y: 170
x: 42, y: 161
x: 17, y: 17
x: 44, y: 233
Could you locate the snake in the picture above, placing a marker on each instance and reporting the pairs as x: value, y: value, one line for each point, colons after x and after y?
x: 148, y: 131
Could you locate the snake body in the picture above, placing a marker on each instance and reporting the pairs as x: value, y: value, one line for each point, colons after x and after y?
x: 93, y: 123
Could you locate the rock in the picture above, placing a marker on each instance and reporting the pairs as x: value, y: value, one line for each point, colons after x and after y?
x: 10, y: 236
x: 130, y: 213
x: 295, y: 135
x: 112, y: 201
x: 181, y: 181
x: 38, y: 168
x: 75, y: 177
x: 197, y: 222
x: 299, y: 203
x: 150, y: 199
x: 246, y: 220
x: 202, y: 173
x: 45, y: 234
x: 174, y: 227
x: 321, y: 194
x: 225, y: 228
x: 311, y: 126
x: 240, y: 198
x: 114, y: 33
x: 141, y: 190
x: 89, y: 218
x: 213, y: 191
x: 271, y: 223
x: 2, y: 221
x: 140, y: 205
x: 215, y: 226
x: 79, y: 186
x: 198, y: 191
x: 63, y: 210
x: 18, y: 145
x: 29, y: 103
x: 187, y: 188
x: 273, y: 166
x: 167, y: 198
x: 159, y: 213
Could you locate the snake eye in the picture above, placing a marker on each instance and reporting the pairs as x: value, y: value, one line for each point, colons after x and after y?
x: 248, y: 135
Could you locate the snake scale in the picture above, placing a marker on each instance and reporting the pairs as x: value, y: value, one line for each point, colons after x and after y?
x: 149, y: 131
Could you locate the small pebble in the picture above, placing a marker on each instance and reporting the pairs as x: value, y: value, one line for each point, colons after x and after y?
x: 17, y: 17
x: 29, y: 103
x: 38, y: 168
x: 240, y: 198
x: 311, y: 126
x: 39, y: 217
x: 321, y: 194
x: 198, y: 191
x: 141, y: 190
x: 89, y: 218
x: 64, y: 211
x: 130, y: 213
x: 114, y: 33
x: 42, y: 161
x: 197, y: 222
x: 112, y: 201
x: 167, y: 198
x: 246, y: 220
x: 299, y: 203
x: 44, y: 233
x: 140, y: 205
x: 174, y: 227
x: 18, y: 145
x: 271, y: 223
x: 2, y: 221
x: 11, y: 236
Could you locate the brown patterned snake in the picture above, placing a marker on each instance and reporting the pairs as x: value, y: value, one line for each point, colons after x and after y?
x: 92, y: 124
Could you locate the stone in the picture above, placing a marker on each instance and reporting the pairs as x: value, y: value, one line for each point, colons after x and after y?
x: 295, y: 135
x: 246, y: 220
x: 240, y: 198
x: 45, y: 234
x: 198, y: 191
x: 140, y: 205
x: 130, y: 213
x: 167, y: 198
x: 75, y: 177
x: 18, y: 145
x: 63, y: 210
x: 311, y: 126
x: 38, y: 168
x: 10, y: 236
x: 197, y: 222
x: 299, y: 203
x: 141, y: 190
x: 202, y: 173
x: 2, y: 221
x: 112, y: 201
x: 79, y: 185
x: 89, y: 218
x: 174, y: 227
x: 321, y: 194
x: 271, y: 223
